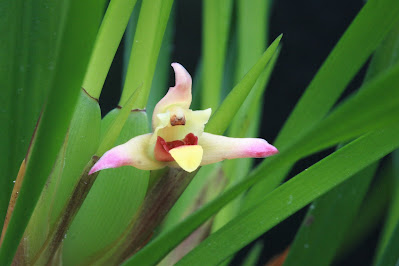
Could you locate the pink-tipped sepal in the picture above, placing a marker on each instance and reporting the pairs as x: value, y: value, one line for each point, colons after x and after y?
x: 133, y: 153
x: 111, y: 159
x: 179, y: 95
x: 218, y: 148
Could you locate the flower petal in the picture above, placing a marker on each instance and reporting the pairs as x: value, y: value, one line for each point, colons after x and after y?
x: 179, y: 95
x: 162, y: 147
x: 134, y: 153
x: 195, y: 122
x: 187, y: 157
x: 218, y: 148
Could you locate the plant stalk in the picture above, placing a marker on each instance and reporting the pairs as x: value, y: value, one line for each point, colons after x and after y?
x: 159, y: 200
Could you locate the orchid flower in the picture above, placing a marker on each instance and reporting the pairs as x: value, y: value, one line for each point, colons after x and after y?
x: 178, y: 138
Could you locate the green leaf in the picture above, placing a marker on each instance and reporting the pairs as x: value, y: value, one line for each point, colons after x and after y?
x: 215, y: 32
x: 245, y: 124
x: 153, y: 18
x: 108, y: 38
x: 365, y: 111
x: 294, y: 195
x: 122, y: 125
x: 335, y: 210
x: 229, y: 81
x: 129, y: 38
x: 230, y: 106
x: 197, y: 86
x: 252, y: 32
x: 371, y: 212
x: 251, y: 44
x: 31, y: 38
x: 387, y: 246
x: 158, y: 201
x: 82, y: 142
x: 253, y: 256
x: 113, y: 127
x: 385, y: 57
x: 362, y: 37
x: 390, y: 253
x: 161, y: 77
x: 327, y: 221
x: 80, y: 145
x: 111, y: 203
x: 78, y: 38
x: 355, y: 109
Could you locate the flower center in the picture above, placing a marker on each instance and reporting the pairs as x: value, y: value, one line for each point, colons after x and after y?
x: 177, y: 121
x: 162, y: 147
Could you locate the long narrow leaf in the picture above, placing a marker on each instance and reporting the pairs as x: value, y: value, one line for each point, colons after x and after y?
x: 334, y: 212
x: 80, y: 144
x: 293, y: 195
x: 230, y: 106
x: 148, y: 37
x: 390, y: 253
x: 245, y: 124
x: 362, y: 37
x: 111, y: 203
x: 387, y: 253
x: 216, y: 21
x: 28, y: 55
x: 328, y: 220
x: 371, y: 212
x: 341, y: 116
x: 78, y: 39
x: 385, y: 57
x: 109, y: 36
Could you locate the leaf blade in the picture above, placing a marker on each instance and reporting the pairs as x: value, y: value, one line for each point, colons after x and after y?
x: 28, y: 53
x: 56, y: 116
x: 287, y: 157
x: 216, y: 21
x: 287, y: 199
x: 227, y: 110
x: 358, y: 42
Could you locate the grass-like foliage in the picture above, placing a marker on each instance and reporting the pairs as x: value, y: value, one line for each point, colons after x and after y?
x: 55, y: 58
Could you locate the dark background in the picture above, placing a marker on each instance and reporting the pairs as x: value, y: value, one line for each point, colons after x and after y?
x: 311, y: 29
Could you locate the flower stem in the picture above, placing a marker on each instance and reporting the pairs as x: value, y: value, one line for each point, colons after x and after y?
x: 159, y: 200
x: 55, y: 238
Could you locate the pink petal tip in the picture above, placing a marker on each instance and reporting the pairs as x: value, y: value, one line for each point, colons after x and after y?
x: 259, y: 148
x: 179, y: 95
x: 183, y: 78
x: 110, y: 159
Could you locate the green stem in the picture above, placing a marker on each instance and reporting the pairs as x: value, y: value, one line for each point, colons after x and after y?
x: 56, y: 237
x: 109, y: 36
x: 159, y: 200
